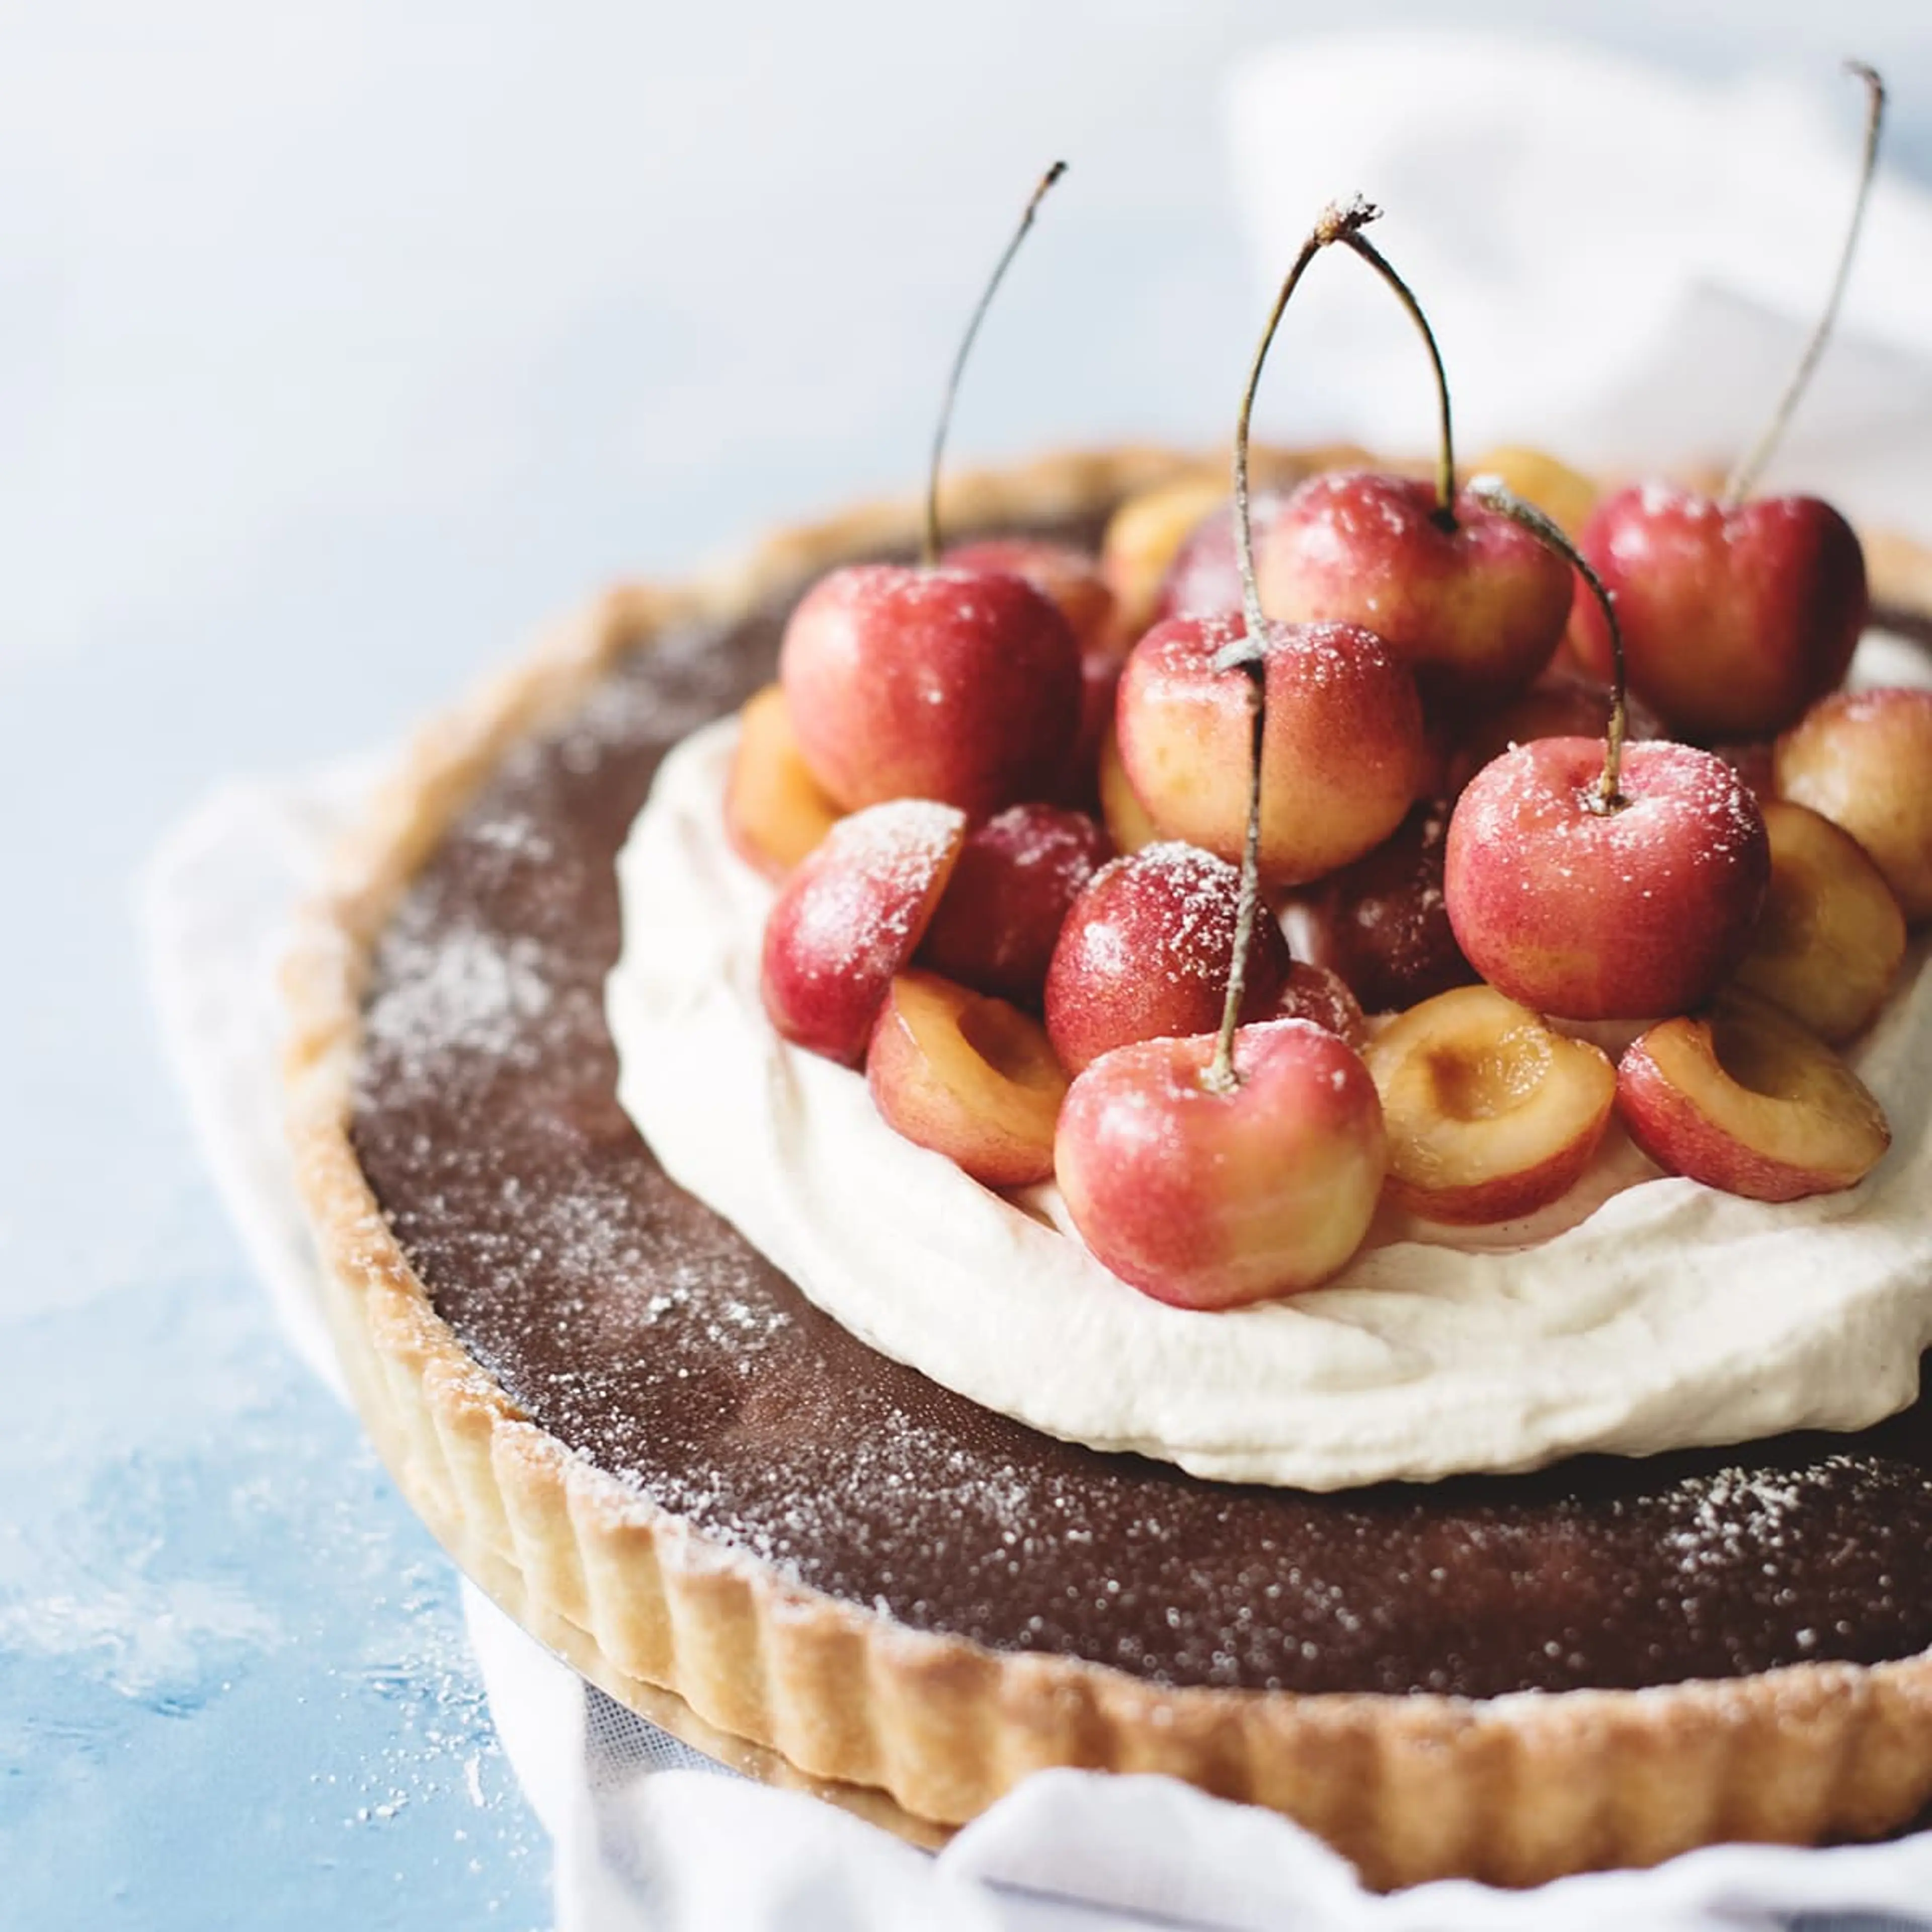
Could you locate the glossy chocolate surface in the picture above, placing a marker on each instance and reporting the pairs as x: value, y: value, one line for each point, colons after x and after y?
x: 633, y: 1324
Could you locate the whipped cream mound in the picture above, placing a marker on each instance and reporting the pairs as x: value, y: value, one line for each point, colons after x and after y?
x: 1641, y: 1312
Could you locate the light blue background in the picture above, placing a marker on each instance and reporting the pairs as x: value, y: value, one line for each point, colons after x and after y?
x: 338, y: 347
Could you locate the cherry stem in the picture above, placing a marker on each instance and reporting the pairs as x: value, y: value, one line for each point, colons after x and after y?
x: 1746, y: 474
x: 1445, y: 455
x: 1248, y: 651
x: 930, y: 550
x: 1492, y: 493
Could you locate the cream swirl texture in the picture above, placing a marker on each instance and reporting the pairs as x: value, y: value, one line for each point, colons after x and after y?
x: 1641, y: 1312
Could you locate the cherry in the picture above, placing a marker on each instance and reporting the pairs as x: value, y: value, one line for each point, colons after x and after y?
x: 1211, y: 1172
x: 1474, y: 604
x: 1589, y: 881
x: 960, y: 683
x: 1737, y: 612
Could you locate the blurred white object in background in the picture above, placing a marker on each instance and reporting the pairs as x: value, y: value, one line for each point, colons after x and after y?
x: 1621, y: 263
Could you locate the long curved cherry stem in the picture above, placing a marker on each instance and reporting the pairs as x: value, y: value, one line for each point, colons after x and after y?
x: 1492, y: 494
x: 1249, y: 651
x: 930, y: 549
x: 1746, y: 474
x: 1445, y: 453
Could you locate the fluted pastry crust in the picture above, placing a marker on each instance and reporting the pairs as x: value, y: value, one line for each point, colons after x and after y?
x: 920, y: 1730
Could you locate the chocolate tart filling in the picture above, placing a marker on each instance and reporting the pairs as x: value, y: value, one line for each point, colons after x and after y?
x: 634, y: 1325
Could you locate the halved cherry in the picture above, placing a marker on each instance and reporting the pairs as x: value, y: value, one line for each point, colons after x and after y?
x: 775, y: 811
x: 849, y: 918
x: 1491, y: 1113
x: 1829, y: 940
x: 970, y: 1077
x: 1145, y: 951
x: 1742, y: 1098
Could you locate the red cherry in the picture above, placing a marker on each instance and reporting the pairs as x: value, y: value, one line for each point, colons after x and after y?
x: 1736, y: 614
x: 1586, y: 913
x: 961, y: 685
x: 1017, y: 874
x: 1475, y: 605
x: 1070, y: 576
x: 1145, y: 952
x: 1208, y: 1197
x: 1735, y: 620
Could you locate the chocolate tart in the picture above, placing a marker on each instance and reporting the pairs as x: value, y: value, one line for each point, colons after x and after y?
x: 641, y: 1439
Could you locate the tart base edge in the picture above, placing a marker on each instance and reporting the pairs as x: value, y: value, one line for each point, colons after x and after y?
x: 1514, y: 1790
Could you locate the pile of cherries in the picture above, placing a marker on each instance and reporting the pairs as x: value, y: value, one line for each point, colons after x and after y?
x: 1022, y: 801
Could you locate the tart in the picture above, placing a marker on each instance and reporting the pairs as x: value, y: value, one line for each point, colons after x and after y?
x: 640, y: 1437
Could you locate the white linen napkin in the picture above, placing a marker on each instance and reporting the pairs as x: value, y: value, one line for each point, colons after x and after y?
x: 1615, y: 301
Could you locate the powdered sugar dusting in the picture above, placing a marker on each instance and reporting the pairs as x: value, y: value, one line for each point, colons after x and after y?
x: 463, y: 989
x: 1198, y: 895
x: 966, y: 594
x: 644, y: 1332
x: 854, y: 904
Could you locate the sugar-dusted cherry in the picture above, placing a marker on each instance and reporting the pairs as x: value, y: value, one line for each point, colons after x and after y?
x: 1865, y: 761
x: 1589, y: 914
x: 1382, y: 923
x: 972, y: 1078
x: 957, y: 682
x: 1742, y: 1098
x: 1145, y: 951
x: 1313, y: 993
x: 1206, y: 1198
x: 958, y: 685
x: 1000, y: 917
x: 849, y: 920
x: 1594, y: 881
x: 1827, y: 944
x: 775, y: 811
x: 1343, y: 751
x: 1491, y: 1113
x: 1473, y: 603
x: 1737, y: 612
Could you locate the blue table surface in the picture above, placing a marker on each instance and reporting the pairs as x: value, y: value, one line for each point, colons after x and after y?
x: 337, y: 348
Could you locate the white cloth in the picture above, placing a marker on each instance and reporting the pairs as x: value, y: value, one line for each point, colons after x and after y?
x: 1653, y: 316
x: 1621, y: 265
